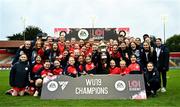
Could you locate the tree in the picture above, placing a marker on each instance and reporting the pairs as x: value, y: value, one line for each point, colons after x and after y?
x: 29, y: 33
x: 17, y: 36
x: 173, y: 43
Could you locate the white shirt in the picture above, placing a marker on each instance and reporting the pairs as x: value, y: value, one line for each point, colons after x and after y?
x: 158, y: 50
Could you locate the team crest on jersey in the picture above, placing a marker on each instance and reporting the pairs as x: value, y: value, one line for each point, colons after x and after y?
x: 137, y: 67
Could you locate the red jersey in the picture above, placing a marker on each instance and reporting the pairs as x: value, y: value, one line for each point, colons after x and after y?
x: 81, y: 68
x: 89, y: 67
x: 61, y: 47
x: 71, y: 69
x: 36, y: 67
x: 40, y: 52
x: 45, y: 72
x: 57, y: 71
x: 134, y: 67
x: 116, y: 55
x: 124, y: 70
x: 115, y: 70
x: 88, y: 52
x: 71, y: 49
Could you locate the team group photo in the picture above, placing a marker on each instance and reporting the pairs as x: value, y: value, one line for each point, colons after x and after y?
x: 89, y: 53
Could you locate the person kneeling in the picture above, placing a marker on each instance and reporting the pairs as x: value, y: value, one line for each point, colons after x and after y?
x: 19, y: 76
x: 152, y: 79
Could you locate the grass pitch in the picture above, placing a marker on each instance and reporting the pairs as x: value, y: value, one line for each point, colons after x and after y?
x: 170, y: 98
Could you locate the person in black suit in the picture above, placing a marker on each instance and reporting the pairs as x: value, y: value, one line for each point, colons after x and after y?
x: 162, y: 61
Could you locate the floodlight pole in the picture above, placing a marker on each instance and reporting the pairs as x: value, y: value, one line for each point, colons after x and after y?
x: 24, y: 26
x: 164, y: 19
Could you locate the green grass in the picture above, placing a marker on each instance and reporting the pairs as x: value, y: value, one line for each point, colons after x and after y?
x: 170, y: 98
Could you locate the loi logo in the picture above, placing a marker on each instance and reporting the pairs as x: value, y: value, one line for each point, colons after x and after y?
x: 134, y: 85
x: 52, y: 86
x: 120, y: 85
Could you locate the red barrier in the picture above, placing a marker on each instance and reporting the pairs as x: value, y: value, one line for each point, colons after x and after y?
x: 175, y: 54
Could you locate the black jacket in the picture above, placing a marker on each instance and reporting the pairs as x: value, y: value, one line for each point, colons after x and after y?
x: 95, y: 57
x: 28, y: 52
x: 123, y: 53
x: 101, y: 69
x: 20, y: 75
x: 151, y: 57
x: 53, y: 55
x: 163, y: 59
x: 152, y: 76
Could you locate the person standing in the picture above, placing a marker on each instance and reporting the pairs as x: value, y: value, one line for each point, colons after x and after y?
x: 162, y: 62
x: 147, y: 54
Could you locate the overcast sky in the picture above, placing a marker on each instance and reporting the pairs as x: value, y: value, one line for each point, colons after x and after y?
x: 141, y: 16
